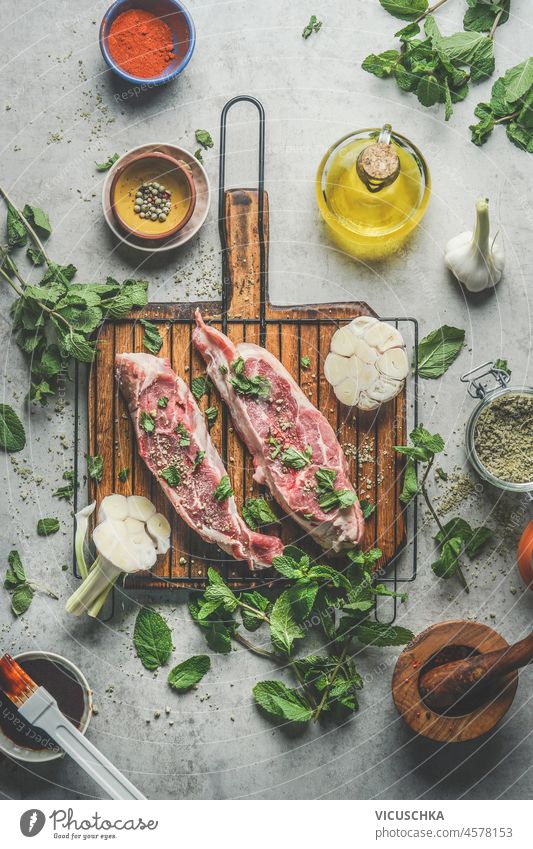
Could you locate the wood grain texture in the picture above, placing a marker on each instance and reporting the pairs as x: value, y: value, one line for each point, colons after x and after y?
x: 290, y: 334
x: 406, y: 693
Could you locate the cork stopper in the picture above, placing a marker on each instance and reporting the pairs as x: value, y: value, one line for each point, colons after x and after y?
x: 378, y: 164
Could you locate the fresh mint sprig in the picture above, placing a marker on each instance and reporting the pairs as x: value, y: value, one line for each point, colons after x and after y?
x: 340, y: 600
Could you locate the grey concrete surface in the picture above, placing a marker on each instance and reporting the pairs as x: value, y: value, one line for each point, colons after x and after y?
x: 60, y: 110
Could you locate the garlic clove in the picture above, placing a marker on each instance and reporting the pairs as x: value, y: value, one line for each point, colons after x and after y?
x: 364, y: 352
x: 336, y: 368
x: 393, y: 364
x: 342, y: 342
x: 366, y: 403
x: 113, y: 507
x: 361, y: 324
x: 133, y: 526
x: 347, y: 391
x: 384, y: 389
x: 158, y: 527
x: 140, y: 508
x: 383, y: 336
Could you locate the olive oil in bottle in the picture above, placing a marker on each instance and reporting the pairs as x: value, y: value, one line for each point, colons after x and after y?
x: 372, y: 190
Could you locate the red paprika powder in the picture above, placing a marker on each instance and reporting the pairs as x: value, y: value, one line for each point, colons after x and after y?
x: 141, y: 43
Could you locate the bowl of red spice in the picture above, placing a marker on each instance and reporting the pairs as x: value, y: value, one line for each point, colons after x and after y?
x: 147, y: 42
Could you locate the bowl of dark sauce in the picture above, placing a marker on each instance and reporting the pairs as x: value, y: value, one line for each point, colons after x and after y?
x: 67, y: 684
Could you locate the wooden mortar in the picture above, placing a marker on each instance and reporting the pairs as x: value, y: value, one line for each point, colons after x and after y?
x: 447, y: 728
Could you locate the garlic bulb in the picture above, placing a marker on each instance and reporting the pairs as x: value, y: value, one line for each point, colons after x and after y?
x: 367, y: 363
x: 475, y: 260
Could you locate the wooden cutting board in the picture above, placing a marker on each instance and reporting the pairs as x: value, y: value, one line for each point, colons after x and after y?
x: 289, y: 333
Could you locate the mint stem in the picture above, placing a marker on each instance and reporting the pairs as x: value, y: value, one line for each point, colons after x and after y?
x: 495, y: 23
x: 27, y: 225
x: 430, y: 11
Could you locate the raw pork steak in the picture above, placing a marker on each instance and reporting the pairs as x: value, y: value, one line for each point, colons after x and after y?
x: 295, y: 450
x: 174, y: 443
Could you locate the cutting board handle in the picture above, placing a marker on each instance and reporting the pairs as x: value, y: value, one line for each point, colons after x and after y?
x: 246, y: 254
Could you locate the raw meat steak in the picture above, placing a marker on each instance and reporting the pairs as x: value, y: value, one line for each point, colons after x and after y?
x: 272, y: 415
x: 171, y: 432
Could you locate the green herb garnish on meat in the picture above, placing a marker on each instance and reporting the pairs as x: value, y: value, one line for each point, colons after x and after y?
x: 257, y: 512
x: 253, y: 387
x: 198, y: 460
x: 185, y: 437
x: 223, y: 489
x: 171, y: 475
x: 295, y: 459
x: 146, y: 422
x: 328, y: 496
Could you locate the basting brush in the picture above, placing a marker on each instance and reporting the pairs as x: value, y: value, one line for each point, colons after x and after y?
x: 39, y: 708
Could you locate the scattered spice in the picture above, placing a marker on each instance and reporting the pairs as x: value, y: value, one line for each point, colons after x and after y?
x: 503, y: 437
x: 141, y: 43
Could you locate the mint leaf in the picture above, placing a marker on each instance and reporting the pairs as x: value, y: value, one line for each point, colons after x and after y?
x: 295, y: 459
x: 302, y: 597
x: 12, y: 434
x: 428, y: 91
x: 21, y: 599
x: 218, y: 593
x: 254, y: 387
x: 35, y: 256
x: 438, y: 350
x: 185, y: 675
x: 47, y: 527
x: 278, y: 700
x: 152, y: 340
x: 257, y: 512
x: 223, y: 489
x: 203, y: 138
x: 15, y: 574
x: 211, y: 415
x: 406, y: 10
x: 381, y: 64
x: 200, y: 386
x: 109, y: 162
x: 38, y: 218
x: 305, y: 361
x: 16, y: 231
x: 123, y: 474
x: 171, y: 475
x: 378, y: 634
x: 152, y: 638
x: 447, y: 562
x: 146, y: 422
x: 252, y: 621
x: 198, y: 460
x: 410, y: 483
x: 367, y: 508
x: 162, y: 402
x: 95, y: 467
x: 518, y: 80
x: 314, y: 25
x: 283, y: 627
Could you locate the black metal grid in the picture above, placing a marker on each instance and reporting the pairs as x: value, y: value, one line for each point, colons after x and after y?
x: 220, y: 558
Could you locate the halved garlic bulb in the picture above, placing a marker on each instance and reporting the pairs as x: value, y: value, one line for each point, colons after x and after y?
x: 367, y: 363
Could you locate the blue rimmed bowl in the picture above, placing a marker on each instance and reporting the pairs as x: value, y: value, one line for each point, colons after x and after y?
x: 175, y: 15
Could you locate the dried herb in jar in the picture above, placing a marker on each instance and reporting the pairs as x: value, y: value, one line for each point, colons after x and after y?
x: 503, y: 438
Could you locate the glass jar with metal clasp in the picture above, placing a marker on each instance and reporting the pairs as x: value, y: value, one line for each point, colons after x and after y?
x: 478, y: 381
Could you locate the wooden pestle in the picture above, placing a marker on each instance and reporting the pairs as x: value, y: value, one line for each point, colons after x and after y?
x: 443, y: 686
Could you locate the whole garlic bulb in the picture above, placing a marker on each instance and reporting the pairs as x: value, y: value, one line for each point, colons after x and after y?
x: 475, y: 260
x: 367, y: 363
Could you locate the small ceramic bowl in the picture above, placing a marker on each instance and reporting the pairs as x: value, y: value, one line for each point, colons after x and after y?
x: 175, y: 15
x: 146, y: 167
x: 20, y: 753
x: 196, y: 221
